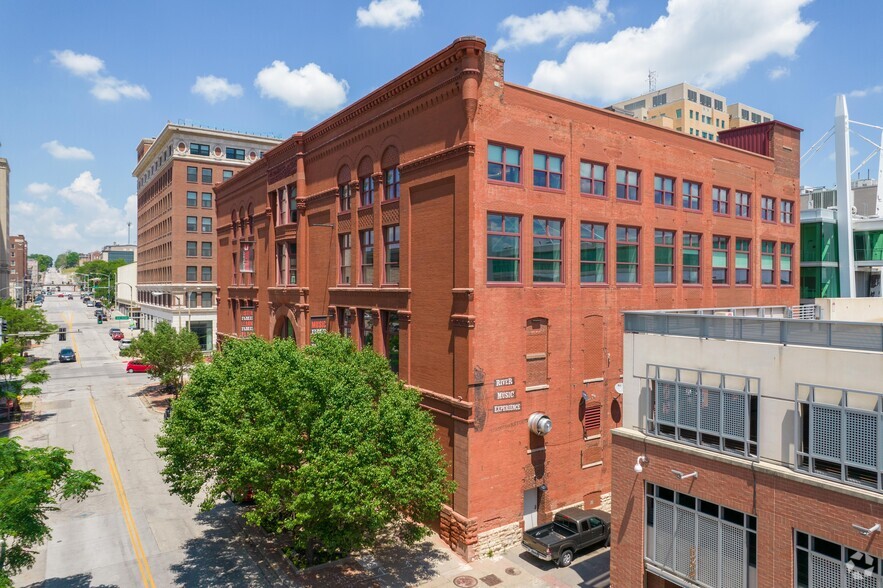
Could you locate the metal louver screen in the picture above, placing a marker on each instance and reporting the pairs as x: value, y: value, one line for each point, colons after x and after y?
x: 734, y: 415
x: 707, y: 554
x: 685, y: 533
x: 687, y: 406
x: 665, y: 401
x: 826, y: 439
x: 709, y: 411
x: 665, y: 534
x: 825, y: 572
x: 732, y: 557
x: 592, y: 419
x: 861, y: 438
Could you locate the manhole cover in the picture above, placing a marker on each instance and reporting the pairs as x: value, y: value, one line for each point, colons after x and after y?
x: 513, y: 571
x: 492, y: 580
x: 465, y: 582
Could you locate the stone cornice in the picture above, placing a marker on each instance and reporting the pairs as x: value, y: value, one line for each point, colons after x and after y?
x: 438, y: 156
x: 322, y: 194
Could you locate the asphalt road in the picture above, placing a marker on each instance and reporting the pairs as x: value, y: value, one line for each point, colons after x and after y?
x: 131, y: 532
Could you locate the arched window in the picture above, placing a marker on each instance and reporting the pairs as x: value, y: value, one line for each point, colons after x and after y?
x: 344, y: 192
x: 366, y: 182
x: 391, y: 177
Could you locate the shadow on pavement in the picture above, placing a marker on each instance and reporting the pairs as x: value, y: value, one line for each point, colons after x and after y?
x: 77, y: 581
x: 404, y: 565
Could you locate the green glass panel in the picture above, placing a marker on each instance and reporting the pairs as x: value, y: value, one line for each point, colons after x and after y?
x: 766, y: 262
x: 494, y: 153
x: 502, y: 270
x: 591, y: 272
x: 627, y: 253
x: 785, y: 263
x: 547, y: 249
x: 691, y: 257
x: 555, y: 164
x: 664, y: 255
x: 719, y: 259
x: 502, y: 246
x: 513, y: 156
x: 741, y: 261
x: 591, y: 252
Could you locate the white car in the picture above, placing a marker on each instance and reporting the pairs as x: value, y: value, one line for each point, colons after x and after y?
x: 125, y: 344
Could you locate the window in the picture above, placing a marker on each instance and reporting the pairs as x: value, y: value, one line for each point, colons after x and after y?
x: 592, y: 419
x: 819, y: 563
x: 206, y: 249
x: 768, y: 209
x: 367, y: 193
x: 345, y: 197
x: 692, y: 192
x: 744, y: 114
x: 504, y: 163
x: 592, y: 253
x: 191, y: 273
x: 547, y: 236
x: 391, y: 254
x: 346, y: 262
x: 664, y: 191
x: 235, y: 153
x: 627, y: 184
x: 191, y: 224
x: 207, y: 297
x: 678, y: 113
x: 389, y: 322
x: 281, y: 206
x: 767, y: 263
x: 660, y: 99
x: 246, y: 257
x: 537, y: 351
x: 191, y: 199
x: 191, y: 248
x: 503, y: 248
x: 743, y: 261
x: 206, y: 273
x: 292, y: 203
x: 720, y: 253
x: 719, y: 105
x: 366, y: 245
x: 720, y: 201
x: 228, y: 173
x: 547, y: 171
x: 743, y: 204
x: 785, y: 251
x: 705, y: 100
x: 392, y: 186
x: 664, y: 257
x: 755, y: 118
x: 291, y: 254
x: 592, y: 178
x: 691, y: 258
x: 206, y: 224
x: 199, y: 149
x: 627, y: 255
x: 206, y: 199
x: 691, y: 95
x: 366, y: 329
x: 192, y: 173
x: 786, y: 212
x: 206, y: 175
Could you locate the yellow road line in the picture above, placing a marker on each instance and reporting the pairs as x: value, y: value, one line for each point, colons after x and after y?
x: 143, y: 566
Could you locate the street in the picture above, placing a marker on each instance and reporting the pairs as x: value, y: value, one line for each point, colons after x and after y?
x: 131, y: 532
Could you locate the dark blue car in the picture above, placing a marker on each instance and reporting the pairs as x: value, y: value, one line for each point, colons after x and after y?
x: 67, y: 354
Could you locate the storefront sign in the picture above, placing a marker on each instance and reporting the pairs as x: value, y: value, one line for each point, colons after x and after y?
x: 246, y: 320
x: 507, y: 407
x: 318, y: 324
x: 510, y: 381
x: 505, y: 395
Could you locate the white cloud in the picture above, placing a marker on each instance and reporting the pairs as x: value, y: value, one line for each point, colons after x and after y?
x: 104, y: 87
x: 215, y: 89
x: 866, y: 92
x: 389, y: 14
x: 59, y: 151
x: 39, y: 190
x: 308, y: 88
x: 705, y: 42
x: 778, y: 72
x: 563, y: 25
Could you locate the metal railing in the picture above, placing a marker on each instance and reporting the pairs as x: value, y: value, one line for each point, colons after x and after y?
x: 782, y: 331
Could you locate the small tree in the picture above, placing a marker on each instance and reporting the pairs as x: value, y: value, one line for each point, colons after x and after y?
x: 32, y: 482
x: 170, y: 353
x: 24, y: 320
x: 44, y: 262
x: 335, y: 449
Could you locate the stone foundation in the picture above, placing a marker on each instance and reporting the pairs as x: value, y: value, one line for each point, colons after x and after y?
x: 605, y: 502
x: 496, y: 541
x: 460, y: 533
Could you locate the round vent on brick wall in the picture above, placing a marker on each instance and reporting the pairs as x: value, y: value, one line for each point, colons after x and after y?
x: 539, y: 424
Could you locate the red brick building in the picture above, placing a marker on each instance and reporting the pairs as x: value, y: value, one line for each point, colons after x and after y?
x: 486, y: 236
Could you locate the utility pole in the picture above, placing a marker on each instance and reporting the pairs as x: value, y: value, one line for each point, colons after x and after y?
x: 129, y: 233
x: 845, y: 247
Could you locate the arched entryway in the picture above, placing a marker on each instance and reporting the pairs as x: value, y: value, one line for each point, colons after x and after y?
x: 284, y: 324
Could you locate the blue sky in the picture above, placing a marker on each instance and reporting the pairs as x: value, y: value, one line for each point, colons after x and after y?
x: 82, y: 82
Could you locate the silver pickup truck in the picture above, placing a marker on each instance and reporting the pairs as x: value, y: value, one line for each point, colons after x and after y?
x: 571, y: 530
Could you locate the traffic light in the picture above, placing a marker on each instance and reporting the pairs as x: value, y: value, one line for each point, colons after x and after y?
x: 62, y: 333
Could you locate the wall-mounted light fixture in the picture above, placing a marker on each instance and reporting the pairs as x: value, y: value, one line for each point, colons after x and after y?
x: 867, y: 531
x: 542, y: 488
x: 639, y: 465
x: 683, y: 476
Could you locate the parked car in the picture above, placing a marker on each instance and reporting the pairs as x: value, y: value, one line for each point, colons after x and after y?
x: 571, y: 530
x: 70, y: 296
x: 118, y: 336
x: 61, y: 294
x: 113, y: 330
x: 98, y: 304
x: 90, y: 304
x: 66, y: 355
x: 125, y: 344
x: 97, y: 311
x: 136, y: 366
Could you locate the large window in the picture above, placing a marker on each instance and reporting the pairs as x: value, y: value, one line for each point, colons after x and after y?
x: 692, y: 194
x: 281, y: 206
x: 391, y: 254
x: 206, y: 249
x: 504, y: 163
x: 720, y: 200
x: 191, y: 224
x: 592, y: 253
x: 627, y: 251
x: 743, y: 204
x: 548, y: 171
x: 206, y: 224
x: 206, y: 199
x: 702, y: 542
x: 291, y: 255
x: 206, y: 273
x: 192, y: 174
x: 199, y: 149
x: 664, y: 191
x: 664, y: 257
x: 786, y: 212
x: 819, y: 563
x: 785, y: 253
x: 206, y: 175
x: 191, y: 248
x: 392, y: 184
x: 503, y: 248
x: 228, y: 173
x: 691, y: 258
x: 191, y: 199
x: 627, y: 187
x: 768, y: 209
x: 292, y: 203
x: 345, y: 197
x: 366, y: 194
x: 743, y: 261
x: 592, y: 178
x: 233, y: 153
x: 346, y: 258
x: 246, y: 257
x: 712, y: 410
x: 191, y: 273
x: 366, y: 257
x: 720, y: 257
x: 547, y: 237
x: 767, y: 263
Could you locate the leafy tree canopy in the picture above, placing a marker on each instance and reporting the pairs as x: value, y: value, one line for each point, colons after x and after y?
x: 169, y: 352
x: 25, y: 320
x: 67, y: 259
x: 32, y: 483
x: 19, y: 374
x: 99, y: 270
x: 335, y: 449
x: 44, y: 262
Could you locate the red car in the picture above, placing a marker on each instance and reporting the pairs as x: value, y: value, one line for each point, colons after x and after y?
x: 137, y: 366
x: 117, y: 336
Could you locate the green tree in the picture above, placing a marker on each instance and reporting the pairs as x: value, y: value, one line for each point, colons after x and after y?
x: 32, y: 483
x: 24, y: 326
x: 44, y: 262
x: 20, y: 375
x: 99, y: 270
x: 335, y: 449
x: 67, y: 259
x: 170, y: 353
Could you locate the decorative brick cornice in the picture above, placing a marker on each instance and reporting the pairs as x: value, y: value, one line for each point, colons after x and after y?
x: 404, y: 317
x: 463, y: 321
x: 460, y: 150
x: 318, y: 195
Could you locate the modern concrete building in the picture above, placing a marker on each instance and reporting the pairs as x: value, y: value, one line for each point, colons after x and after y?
x: 126, y: 291
x: 750, y: 449
x: 128, y: 253
x: 176, y: 173
x: 19, y: 279
x: 692, y: 110
x: 4, y: 229
x: 485, y: 237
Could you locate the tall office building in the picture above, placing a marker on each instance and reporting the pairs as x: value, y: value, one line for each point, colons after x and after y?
x: 4, y: 229
x: 176, y: 173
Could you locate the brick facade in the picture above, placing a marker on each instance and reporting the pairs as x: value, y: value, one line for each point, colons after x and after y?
x: 560, y: 343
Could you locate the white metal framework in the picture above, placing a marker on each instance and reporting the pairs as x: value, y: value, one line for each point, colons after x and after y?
x: 819, y: 563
